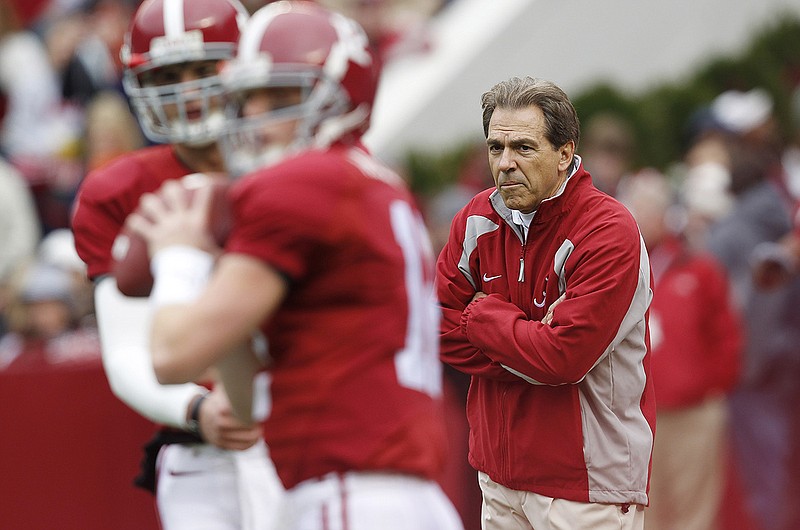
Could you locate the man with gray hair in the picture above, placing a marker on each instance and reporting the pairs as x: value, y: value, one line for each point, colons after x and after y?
x: 545, y: 285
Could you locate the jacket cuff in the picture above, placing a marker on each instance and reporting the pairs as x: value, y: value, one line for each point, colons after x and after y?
x: 467, y: 312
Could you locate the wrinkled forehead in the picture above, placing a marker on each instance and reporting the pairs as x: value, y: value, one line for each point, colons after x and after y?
x: 509, y: 123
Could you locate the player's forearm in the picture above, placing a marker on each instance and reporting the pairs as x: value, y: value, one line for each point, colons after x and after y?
x: 176, y: 356
x: 123, y: 324
x: 135, y: 384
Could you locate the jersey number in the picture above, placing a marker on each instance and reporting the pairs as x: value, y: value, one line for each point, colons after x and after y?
x: 418, y: 364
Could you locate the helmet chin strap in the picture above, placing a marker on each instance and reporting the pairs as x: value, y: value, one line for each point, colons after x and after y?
x: 331, y: 129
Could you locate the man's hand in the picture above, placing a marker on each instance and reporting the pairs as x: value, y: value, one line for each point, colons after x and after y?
x: 219, y: 426
x: 548, y: 317
x: 478, y: 296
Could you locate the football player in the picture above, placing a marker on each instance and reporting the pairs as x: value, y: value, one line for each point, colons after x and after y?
x: 329, y: 258
x: 213, y: 467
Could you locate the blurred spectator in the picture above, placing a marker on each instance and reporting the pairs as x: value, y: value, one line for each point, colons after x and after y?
x: 749, y: 116
x: 43, y: 322
x: 91, y: 64
x: 706, y: 196
x: 775, y: 263
x: 19, y: 227
x: 474, y: 173
x: 57, y: 249
x: 25, y: 12
x: 39, y: 133
x: 764, y: 413
x: 441, y: 206
x: 706, y: 184
x: 62, y: 35
x: 440, y: 209
x: 696, y: 341
x: 607, y: 147
x: 36, y: 124
x: 111, y: 129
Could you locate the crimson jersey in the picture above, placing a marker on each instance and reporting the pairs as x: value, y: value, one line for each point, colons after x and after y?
x: 356, y: 380
x: 110, y: 193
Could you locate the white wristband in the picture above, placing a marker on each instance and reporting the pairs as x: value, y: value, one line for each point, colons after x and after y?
x: 180, y: 274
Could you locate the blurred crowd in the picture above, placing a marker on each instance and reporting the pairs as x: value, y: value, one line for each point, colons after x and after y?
x: 720, y: 225
x: 63, y: 112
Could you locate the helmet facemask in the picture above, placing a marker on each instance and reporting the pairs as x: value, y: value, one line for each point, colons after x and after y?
x: 186, y: 112
x: 196, y: 118
x: 301, y: 45
x: 246, y: 142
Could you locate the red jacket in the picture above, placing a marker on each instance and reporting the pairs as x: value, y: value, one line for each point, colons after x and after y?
x: 695, y: 331
x: 564, y: 410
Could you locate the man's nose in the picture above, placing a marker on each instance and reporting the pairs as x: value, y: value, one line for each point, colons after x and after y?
x: 507, y: 160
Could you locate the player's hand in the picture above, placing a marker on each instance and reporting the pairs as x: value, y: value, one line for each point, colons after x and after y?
x: 219, y: 426
x: 174, y: 217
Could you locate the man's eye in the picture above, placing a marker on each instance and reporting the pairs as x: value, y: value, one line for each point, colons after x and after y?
x: 159, y: 78
x: 164, y: 79
x: 206, y: 71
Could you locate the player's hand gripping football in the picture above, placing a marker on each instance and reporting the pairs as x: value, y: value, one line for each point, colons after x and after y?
x: 174, y: 217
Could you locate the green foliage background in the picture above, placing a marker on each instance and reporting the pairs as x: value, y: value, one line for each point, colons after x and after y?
x: 661, y: 115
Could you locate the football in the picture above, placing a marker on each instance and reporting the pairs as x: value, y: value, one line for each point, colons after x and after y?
x: 130, y: 257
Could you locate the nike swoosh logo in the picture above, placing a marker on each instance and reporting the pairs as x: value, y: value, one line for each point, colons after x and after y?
x: 490, y: 278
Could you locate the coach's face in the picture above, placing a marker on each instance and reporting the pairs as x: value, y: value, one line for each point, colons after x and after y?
x: 526, y: 167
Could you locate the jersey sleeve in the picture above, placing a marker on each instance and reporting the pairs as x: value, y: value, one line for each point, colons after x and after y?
x: 108, y: 194
x: 97, y: 218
